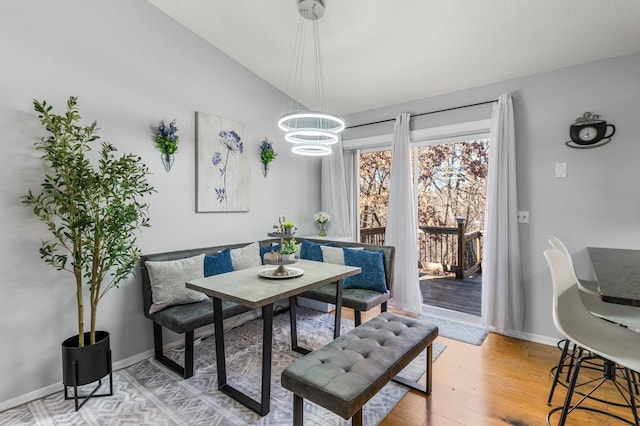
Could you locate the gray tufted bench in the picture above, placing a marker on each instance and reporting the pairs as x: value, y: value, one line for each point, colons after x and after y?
x: 344, y: 374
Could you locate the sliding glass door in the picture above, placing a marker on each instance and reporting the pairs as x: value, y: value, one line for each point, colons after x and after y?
x: 450, y: 186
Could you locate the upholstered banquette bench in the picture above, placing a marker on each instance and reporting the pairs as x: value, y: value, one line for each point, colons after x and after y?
x: 373, y: 287
x: 344, y: 374
x: 168, y: 304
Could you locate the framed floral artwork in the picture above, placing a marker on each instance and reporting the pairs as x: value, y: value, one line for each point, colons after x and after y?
x: 222, y: 166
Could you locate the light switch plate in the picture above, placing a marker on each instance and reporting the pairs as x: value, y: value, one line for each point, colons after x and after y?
x: 561, y: 170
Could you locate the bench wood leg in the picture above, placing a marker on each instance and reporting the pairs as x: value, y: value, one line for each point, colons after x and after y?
x: 298, y: 410
x: 356, y: 420
x: 187, y: 370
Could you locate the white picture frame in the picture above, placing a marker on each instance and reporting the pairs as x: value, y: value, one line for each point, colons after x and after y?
x: 223, y: 171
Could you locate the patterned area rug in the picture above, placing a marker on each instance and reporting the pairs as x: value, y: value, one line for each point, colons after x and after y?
x: 458, y: 331
x: 146, y: 393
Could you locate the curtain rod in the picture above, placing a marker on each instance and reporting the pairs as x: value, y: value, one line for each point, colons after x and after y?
x: 423, y: 113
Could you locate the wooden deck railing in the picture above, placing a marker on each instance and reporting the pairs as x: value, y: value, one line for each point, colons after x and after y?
x: 442, y: 248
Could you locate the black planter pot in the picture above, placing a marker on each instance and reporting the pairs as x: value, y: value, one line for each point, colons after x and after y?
x: 87, y: 364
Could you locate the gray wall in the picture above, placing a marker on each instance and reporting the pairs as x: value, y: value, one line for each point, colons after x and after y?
x: 598, y: 204
x: 131, y: 66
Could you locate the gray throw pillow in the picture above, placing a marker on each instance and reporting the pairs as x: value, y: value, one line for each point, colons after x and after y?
x: 168, y: 280
x: 335, y: 254
x: 246, y: 257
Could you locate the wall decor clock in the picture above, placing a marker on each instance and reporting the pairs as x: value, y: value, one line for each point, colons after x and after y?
x: 589, y: 131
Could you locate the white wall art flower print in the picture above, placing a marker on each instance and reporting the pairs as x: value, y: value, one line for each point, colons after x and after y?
x: 222, y: 170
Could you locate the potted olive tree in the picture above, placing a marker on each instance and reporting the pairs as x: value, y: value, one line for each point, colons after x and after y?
x: 92, y: 207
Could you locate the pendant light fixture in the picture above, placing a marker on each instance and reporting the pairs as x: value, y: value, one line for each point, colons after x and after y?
x: 310, y: 132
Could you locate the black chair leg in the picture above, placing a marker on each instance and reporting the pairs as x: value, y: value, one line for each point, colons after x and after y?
x: 572, y: 386
x: 383, y: 307
x: 157, y: 340
x: 557, y: 370
x: 187, y: 370
x: 357, y: 315
x: 188, y: 354
x: 632, y: 398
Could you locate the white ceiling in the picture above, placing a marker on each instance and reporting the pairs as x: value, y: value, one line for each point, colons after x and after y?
x: 383, y: 52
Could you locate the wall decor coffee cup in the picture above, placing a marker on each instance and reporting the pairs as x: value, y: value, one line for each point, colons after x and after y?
x: 589, y: 130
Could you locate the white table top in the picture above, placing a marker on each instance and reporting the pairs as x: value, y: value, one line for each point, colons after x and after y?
x: 247, y: 288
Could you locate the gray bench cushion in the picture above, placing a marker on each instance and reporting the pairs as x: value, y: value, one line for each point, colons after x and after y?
x: 343, y: 375
x: 187, y: 317
x: 355, y: 298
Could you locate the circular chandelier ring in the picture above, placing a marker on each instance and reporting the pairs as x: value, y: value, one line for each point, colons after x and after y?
x: 311, y: 136
x: 331, y: 123
x: 311, y: 150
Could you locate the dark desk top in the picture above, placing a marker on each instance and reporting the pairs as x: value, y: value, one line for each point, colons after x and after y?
x: 618, y: 274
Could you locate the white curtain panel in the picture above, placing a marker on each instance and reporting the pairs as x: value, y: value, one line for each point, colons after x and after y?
x: 333, y: 193
x: 352, y: 178
x: 502, y: 288
x: 401, y: 229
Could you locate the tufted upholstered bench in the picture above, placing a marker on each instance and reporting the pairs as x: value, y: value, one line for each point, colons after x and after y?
x: 344, y: 374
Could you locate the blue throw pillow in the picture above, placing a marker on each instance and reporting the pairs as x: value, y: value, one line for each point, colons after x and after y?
x: 218, y: 263
x: 267, y: 249
x: 372, y: 276
x: 312, y: 251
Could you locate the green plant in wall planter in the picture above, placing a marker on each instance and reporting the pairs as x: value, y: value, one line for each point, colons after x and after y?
x: 92, y: 209
x: 167, y: 143
x: 267, y: 155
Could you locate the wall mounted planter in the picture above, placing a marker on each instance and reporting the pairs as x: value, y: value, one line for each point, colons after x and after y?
x: 167, y: 161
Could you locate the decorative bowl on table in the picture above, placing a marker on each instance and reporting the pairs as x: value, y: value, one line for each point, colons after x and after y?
x: 275, y: 258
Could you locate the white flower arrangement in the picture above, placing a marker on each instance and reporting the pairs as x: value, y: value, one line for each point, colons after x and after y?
x: 321, y: 217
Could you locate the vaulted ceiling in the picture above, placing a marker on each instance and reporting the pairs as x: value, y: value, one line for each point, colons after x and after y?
x: 383, y: 52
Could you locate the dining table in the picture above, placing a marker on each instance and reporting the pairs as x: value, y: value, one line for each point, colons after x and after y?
x: 617, y: 272
x: 259, y: 288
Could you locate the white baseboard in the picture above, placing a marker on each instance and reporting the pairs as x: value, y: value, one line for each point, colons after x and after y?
x: 530, y: 337
x: 434, y: 311
x: 202, y: 332
x: 58, y: 386
x: 477, y: 321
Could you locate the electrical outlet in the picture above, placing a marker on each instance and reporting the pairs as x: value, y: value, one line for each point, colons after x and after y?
x: 523, y: 216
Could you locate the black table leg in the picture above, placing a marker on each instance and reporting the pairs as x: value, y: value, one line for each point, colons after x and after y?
x: 267, y: 349
x: 294, y: 327
x: 262, y: 407
x: 218, y: 328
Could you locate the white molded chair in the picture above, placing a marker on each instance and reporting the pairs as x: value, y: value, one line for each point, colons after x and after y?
x: 629, y: 316
x: 617, y: 347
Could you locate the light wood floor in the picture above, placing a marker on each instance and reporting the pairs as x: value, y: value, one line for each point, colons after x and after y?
x: 505, y: 381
